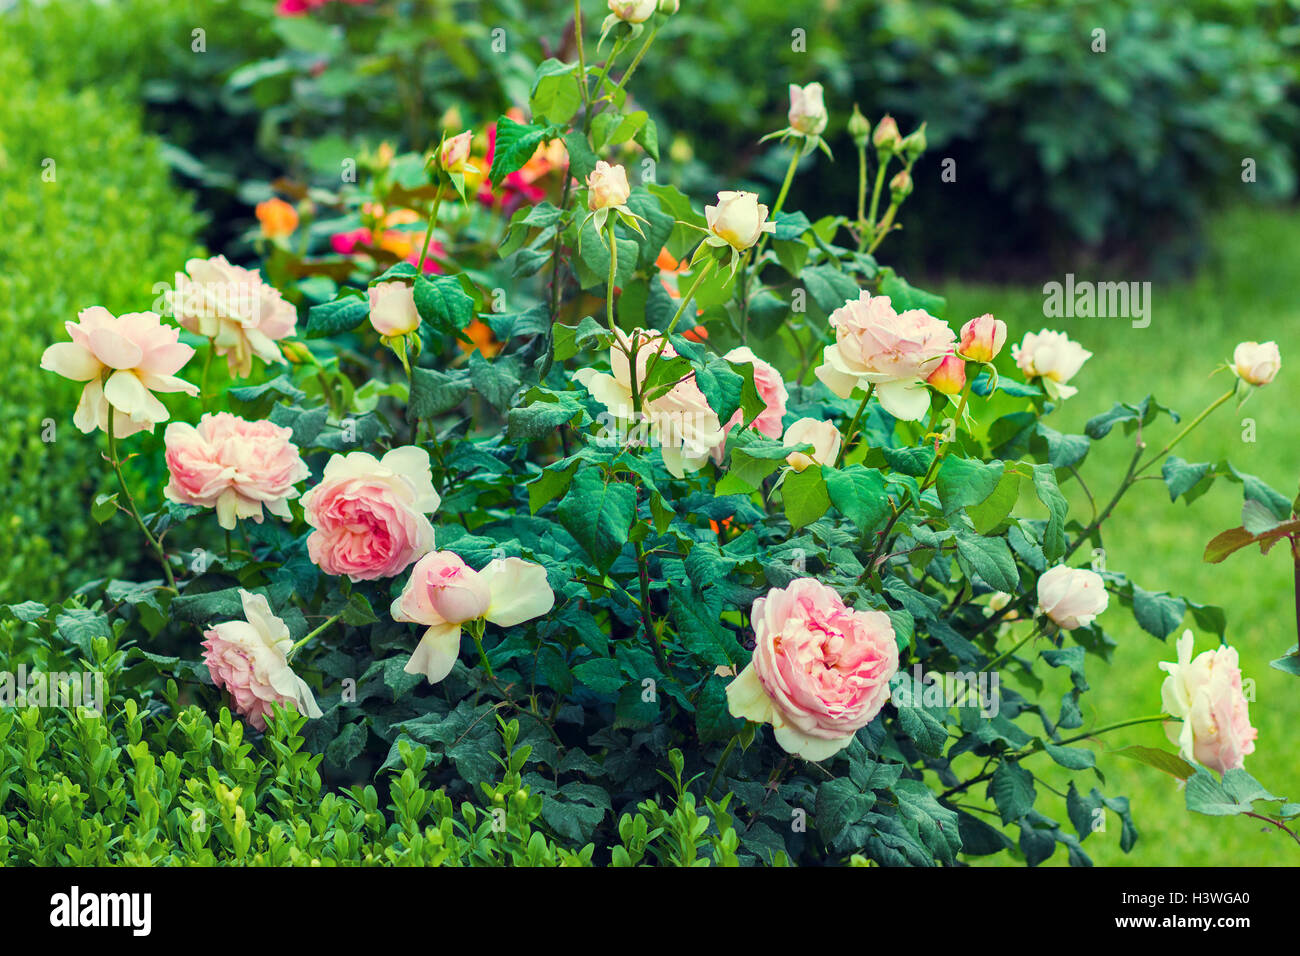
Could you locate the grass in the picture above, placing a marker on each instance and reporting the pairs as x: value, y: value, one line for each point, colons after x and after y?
x: 1246, y: 291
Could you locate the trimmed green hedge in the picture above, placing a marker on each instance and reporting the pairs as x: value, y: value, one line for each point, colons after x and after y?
x: 90, y: 218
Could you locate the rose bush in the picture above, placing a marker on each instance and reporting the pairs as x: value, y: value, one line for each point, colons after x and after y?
x: 766, y: 522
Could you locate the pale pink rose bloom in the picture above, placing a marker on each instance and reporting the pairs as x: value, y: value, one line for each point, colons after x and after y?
x: 633, y: 11
x: 123, y: 360
x: 607, y: 187
x: 682, y: 423
x: 232, y: 306
x: 1206, y: 693
x: 444, y: 593
x: 1052, y: 356
x: 820, y: 670
x: 949, y: 376
x: 895, y: 351
x: 1257, y: 362
x: 392, y: 308
x: 807, y: 109
x: 235, y: 466
x: 369, y: 513
x: 823, y: 436
x: 455, y: 152
x: 738, y: 220
x: 771, y: 389
x: 982, y: 338
x: 1071, y: 597
x: 249, y: 659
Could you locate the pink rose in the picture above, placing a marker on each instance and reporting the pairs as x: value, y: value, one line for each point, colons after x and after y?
x: 823, y: 436
x: 123, y: 360
x: 369, y: 514
x: 1071, y: 597
x: 234, y: 466
x: 1206, y: 693
x: 232, y: 306
x: 771, y: 389
x: 896, y: 352
x: 807, y: 110
x: 820, y: 670
x: 982, y: 338
x: 250, y: 660
x: 445, y: 593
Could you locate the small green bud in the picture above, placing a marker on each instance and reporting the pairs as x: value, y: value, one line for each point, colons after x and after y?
x: 886, y: 138
x: 859, y: 128
x: 914, y: 143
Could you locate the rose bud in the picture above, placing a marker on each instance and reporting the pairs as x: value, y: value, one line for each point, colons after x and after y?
x: 669, y: 7
x: 455, y: 152
x: 859, y: 128
x: 392, y: 309
x: 949, y: 376
x: 633, y: 11
x: 914, y: 143
x: 1071, y: 597
x: 982, y: 338
x: 1256, y: 363
x: 607, y: 187
x: 823, y: 436
x: 900, y: 187
x: 738, y: 219
x: 807, y: 111
x: 886, y: 137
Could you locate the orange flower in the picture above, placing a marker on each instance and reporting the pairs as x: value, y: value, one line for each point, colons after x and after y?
x: 480, y: 333
x: 278, y: 218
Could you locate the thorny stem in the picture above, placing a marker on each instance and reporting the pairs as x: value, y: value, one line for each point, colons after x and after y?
x: 303, y: 643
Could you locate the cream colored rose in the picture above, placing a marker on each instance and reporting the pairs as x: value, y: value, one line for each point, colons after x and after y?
x: 807, y: 110
x: 738, y: 219
x: 1052, y: 356
x: 455, y: 152
x: 1071, y: 597
x: 607, y: 187
x: 1206, y: 692
x: 633, y: 11
x: 982, y: 338
x: 392, y: 308
x: 232, y: 306
x: 823, y: 436
x: 1256, y: 362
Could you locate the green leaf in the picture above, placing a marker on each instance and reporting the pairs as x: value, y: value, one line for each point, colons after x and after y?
x: 1071, y: 758
x: 599, y: 514
x: 805, y: 496
x: 1181, y: 477
x: 555, y: 95
x: 348, y: 745
x: 713, y: 720
x: 840, y: 804
x: 829, y: 287
x: 988, y: 559
x: 1162, y: 760
x: 989, y: 514
x: 342, y: 315
x: 434, y: 392
x: 1235, y: 793
x: 699, y: 629
x: 541, y: 419
x: 104, y: 507
x: 1158, y: 614
x: 550, y: 484
x: 904, y: 296
x: 358, y: 611
x: 601, y: 674
x: 443, y: 304
x: 858, y: 493
x: 964, y: 482
x: 494, y: 379
x: 515, y: 145
x: 1049, y: 493
x: 1012, y: 790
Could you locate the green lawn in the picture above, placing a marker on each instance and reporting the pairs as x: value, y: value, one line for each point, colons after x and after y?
x: 1246, y: 291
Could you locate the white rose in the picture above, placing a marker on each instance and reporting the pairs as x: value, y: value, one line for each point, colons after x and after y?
x: 1257, y: 362
x: 1053, y: 357
x: 392, y: 308
x: 1071, y: 597
x: 738, y: 219
x: 807, y: 111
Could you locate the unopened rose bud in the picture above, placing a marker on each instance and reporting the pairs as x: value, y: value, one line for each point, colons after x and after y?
x: 914, y: 143
x: 669, y: 7
x: 886, y: 137
x: 392, y: 309
x: 633, y: 11
x: 738, y: 219
x: 807, y: 109
x: 1256, y: 363
x: 823, y: 436
x: 455, y: 152
x: 949, y: 376
x: 859, y: 128
x: 982, y: 338
x: 607, y: 186
x: 900, y: 187
x: 296, y: 352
